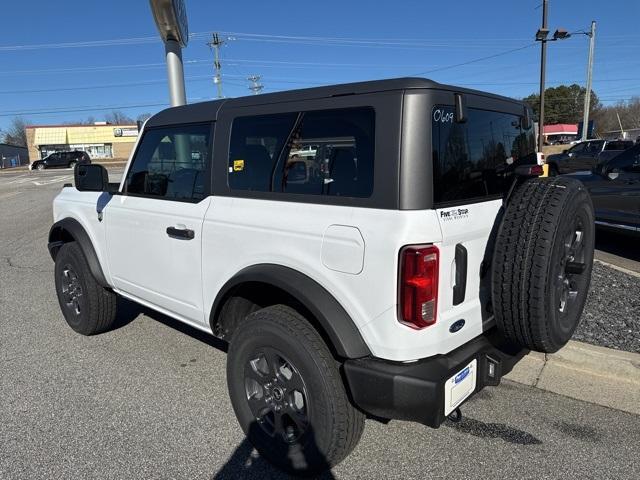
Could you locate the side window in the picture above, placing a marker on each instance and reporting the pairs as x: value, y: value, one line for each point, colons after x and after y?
x: 256, y: 145
x: 577, y: 148
x: 324, y: 152
x: 628, y: 161
x: 332, y: 153
x: 594, y: 147
x: 171, y: 163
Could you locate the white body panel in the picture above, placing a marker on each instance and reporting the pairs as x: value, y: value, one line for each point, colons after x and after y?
x: 146, y: 263
x: 326, y: 243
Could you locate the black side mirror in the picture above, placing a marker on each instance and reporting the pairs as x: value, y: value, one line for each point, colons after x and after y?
x: 91, y: 178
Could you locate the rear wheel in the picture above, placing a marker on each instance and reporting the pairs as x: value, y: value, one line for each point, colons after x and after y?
x: 287, y: 392
x: 87, y: 307
x: 542, y: 262
x: 73, y: 164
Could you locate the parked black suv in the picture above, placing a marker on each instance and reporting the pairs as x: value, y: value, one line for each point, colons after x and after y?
x: 615, y: 190
x: 586, y: 155
x: 61, y: 160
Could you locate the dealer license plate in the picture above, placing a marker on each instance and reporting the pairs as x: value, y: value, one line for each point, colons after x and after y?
x: 458, y: 388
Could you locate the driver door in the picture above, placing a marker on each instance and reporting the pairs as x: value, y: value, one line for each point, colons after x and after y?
x: 154, y: 225
x: 616, y: 198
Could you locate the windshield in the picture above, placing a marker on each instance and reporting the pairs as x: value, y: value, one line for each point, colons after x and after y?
x: 476, y: 159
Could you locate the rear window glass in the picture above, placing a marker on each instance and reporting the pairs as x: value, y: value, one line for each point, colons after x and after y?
x: 476, y: 159
x: 618, y: 145
x: 324, y: 152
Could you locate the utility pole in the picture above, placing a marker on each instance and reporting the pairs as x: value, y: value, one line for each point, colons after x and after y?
x: 215, y: 44
x: 622, y: 134
x: 587, y: 96
x: 543, y: 66
x: 255, y: 86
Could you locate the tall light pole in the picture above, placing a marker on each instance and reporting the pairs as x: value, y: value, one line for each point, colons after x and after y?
x: 171, y: 19
x: 541, y: 36
x: 587, y: 95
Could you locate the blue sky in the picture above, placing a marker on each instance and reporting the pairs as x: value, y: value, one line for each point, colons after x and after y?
x: 334, y: 41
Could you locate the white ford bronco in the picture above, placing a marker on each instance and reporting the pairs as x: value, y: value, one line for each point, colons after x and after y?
x: 381, y: 249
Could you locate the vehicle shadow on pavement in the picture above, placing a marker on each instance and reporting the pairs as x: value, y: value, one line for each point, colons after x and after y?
x: 246, y: 463
x: 128, y: 311
x: 481, y: 429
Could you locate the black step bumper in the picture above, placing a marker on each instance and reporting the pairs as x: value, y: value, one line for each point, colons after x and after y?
x: 415, y: 391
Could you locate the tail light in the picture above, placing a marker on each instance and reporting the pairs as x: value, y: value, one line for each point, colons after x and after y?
x: 418, y: 292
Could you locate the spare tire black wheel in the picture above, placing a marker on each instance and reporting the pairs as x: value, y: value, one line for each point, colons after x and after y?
x: 542, y: 262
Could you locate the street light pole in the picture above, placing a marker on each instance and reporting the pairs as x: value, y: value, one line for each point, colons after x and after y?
x: 175, y: 73
x: 543, y: 66
x: 171, y: 19
x: 587, y: 95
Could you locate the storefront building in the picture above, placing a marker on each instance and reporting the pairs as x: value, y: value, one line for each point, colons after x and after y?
x: 100, y: 140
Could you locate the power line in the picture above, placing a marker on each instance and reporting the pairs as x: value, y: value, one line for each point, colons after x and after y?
x: 475, y: 60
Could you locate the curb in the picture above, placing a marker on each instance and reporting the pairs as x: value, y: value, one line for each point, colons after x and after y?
x: 599, y: 375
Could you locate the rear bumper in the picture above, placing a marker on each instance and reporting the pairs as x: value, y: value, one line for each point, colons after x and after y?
x: 415, y: 391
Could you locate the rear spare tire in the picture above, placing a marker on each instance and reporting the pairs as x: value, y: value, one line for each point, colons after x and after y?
x: 542, y: 262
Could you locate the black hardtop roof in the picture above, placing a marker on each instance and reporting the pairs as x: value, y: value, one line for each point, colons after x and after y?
x: 208, y: 111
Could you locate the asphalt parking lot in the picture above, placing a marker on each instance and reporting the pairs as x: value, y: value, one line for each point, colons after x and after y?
x: 149, y: 399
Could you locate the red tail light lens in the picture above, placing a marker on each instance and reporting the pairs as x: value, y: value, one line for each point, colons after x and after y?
x: 418, y: 292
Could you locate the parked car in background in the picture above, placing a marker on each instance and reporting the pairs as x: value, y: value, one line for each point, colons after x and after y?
x: 585, y: 155
x: 61, y: 160
x: 614, y: 186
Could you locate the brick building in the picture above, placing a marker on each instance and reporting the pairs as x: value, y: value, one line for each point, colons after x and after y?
x: 100, y: 140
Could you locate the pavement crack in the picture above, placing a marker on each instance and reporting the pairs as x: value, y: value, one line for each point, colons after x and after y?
x: 31, y: 268
x: 544, y: 364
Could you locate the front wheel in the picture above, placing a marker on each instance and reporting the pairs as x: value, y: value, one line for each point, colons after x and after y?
x: 287, y: 392
x: 40, y: 166
x: 73, y: 164
x: 87, y: 307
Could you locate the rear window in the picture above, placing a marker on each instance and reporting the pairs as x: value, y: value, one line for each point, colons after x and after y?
x: 618, y: 145
x: 475, y: 160
x: 323, y: 152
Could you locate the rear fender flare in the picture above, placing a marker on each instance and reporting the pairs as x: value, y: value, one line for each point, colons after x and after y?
x: 329, y: 313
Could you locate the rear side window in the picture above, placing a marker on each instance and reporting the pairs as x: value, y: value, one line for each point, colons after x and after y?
x: 325, y: 152
x: 475, y: 160
x: 171, y: 164
x: 618, y: 145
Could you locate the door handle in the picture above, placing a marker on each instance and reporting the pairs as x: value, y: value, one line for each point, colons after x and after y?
x: 460, y: 288
x: 181, y: 233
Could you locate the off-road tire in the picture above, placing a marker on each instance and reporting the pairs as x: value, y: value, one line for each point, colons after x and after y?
x: 334, y: 425
x: 94, y: 309
x: 544, y: 221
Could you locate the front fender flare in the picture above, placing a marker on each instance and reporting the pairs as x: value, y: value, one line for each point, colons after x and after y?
x: 68, y: 230
x: 332, y: 317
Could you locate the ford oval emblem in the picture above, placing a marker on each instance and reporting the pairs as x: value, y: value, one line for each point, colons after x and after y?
x: 455, y: 326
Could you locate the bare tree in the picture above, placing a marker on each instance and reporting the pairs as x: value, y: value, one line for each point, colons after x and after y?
x: 143, y: 116
x: 16, y: 133
x: 117, y: 117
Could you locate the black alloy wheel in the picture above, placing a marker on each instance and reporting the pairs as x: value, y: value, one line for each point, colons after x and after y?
x: 276, y: 394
